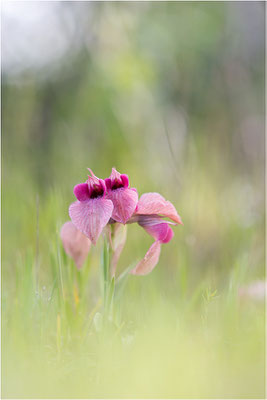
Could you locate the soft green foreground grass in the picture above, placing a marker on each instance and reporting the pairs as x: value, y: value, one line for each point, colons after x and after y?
x: 166, y: 345
x: 180, y: 332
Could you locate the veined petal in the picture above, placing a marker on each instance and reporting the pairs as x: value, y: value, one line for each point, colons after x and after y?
x: 154, y: 203
x: 124, y: 201
x: 91, y: 216
x: 75, y: 243
x: 148, y: 263
x: 161, y: 231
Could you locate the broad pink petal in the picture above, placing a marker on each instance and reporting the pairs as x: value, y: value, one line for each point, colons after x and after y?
x: 118, y: 242
x: 124, y: 201
x: 75, y: 243
x: 81, y: 191
x: 148, y: 263
x: 154, y: 203
x: 161, y: 232
x: 91, y: 216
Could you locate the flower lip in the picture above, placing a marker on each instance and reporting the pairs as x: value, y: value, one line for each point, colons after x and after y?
x: 159, y: 230
x: 91, y: 216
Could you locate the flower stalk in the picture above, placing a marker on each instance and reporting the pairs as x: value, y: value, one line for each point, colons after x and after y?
x: 107, y: 281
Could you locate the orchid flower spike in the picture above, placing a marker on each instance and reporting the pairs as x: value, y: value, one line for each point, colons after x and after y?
x: 92, y: 210
x: 150, y: 210
x: 75, y: 243
x: 123, y: 197
x: 113, y: 201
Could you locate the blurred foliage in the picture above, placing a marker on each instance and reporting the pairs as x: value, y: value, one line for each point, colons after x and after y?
x: 171, y: 93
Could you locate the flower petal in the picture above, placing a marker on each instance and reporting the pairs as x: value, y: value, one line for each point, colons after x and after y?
x: 148, y: 263
x: 81, y: 191
x: 168, y: 236
x: 124, y: 201
x: 96, y: 186
x: 91, y: 216
x: 116, y: 180
x: 154, y: 203
x: 161, y: 232
x: 75, y: 243
x: 115, y: 175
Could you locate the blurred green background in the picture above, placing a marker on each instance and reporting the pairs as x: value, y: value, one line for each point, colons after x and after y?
x: 172, y: 94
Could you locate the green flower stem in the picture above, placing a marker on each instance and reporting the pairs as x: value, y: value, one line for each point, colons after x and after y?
x: 107, y: 284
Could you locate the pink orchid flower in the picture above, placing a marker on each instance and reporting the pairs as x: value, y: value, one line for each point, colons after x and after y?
x: 75, y: 243
x: 92, y: 210
x: 150, y: 210
x: 112, y: 201
x: 123, y: 197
